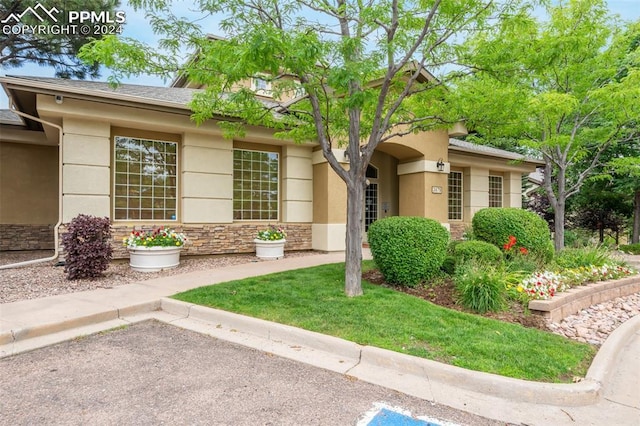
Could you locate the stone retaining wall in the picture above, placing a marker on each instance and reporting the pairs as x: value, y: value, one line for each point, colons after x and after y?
x: 575, y: 299
x: 221, y: 239
x: 26, y: 237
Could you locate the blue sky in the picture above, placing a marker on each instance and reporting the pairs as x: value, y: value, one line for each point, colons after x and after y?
x: 136, y: 27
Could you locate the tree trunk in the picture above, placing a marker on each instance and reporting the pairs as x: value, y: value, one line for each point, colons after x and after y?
x: 558, y: 237
x: 635, y: 237
x: 353, y: 255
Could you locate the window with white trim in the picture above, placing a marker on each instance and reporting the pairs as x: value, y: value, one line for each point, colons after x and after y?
x: 261, y: 86
x: 495, y: 191
x: 145, y: 179
x: 255, y: 185
x: 455, y: 195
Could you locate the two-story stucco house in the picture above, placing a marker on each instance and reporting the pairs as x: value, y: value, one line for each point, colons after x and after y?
x: 133, y: 154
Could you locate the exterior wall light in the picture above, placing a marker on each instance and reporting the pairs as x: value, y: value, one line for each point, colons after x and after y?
x: 440, y: 165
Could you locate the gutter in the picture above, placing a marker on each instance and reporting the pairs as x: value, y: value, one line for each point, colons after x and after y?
x: 56, y: 252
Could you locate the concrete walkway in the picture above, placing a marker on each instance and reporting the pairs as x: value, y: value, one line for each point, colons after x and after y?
x: 608, y: 394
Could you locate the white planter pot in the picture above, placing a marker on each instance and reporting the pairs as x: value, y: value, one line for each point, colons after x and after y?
x: 154, y: 259
x: 270, y: 250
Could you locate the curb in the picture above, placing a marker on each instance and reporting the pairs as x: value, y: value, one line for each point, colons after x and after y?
x: 424, y: 370
x: 19, y: 335
x: 363, y: 362
x: 606, y: 357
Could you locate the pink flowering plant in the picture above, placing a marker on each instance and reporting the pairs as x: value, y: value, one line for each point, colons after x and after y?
x: 272, y: 233
x: 158, y: 237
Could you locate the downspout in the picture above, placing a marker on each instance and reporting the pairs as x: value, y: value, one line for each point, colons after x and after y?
x: 56, y: 252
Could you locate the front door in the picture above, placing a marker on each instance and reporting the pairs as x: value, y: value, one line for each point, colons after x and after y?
x: 370, y: 205
x: 370, y: 200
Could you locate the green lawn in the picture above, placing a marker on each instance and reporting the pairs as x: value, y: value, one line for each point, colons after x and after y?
x: 313, y: 299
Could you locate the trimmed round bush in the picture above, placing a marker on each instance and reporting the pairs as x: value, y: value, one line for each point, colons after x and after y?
x: 408, y: 250
x: 496, y: 225
x: 479, y: 252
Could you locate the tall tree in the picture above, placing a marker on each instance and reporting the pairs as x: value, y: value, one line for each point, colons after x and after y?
x: 555, y: 84
x: 56, y: 48
x: 625, y: 172
x: 360, y: 65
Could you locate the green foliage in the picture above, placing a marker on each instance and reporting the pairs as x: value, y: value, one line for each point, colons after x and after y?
x: 496, y: 225
x: 577, y: 238
x: 408, y: 249
x: 523, y: 264
x: 449, y: 265
x: 563, y: 81
x: 478, y: 251
x: 583, y: 257
x: 481, y: 288
x: 630, y: 248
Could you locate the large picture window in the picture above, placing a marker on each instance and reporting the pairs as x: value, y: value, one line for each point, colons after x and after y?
x: 455, y: 196
x: 145, y: 181
x: 255, y: 185
x: 495, y: 191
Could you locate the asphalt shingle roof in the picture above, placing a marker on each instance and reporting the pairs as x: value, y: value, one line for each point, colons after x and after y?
x: 175, y: 95
x: 9, y: 117
x: 459, y: 145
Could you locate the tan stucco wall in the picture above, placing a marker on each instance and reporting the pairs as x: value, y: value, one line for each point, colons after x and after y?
x: 86, y: 171
x: 297, y: 184
x: 28, y: 184
x: 387, y: 184
x: 426, y: 145
x: 512, y: 187
x: 207, y: 179
x: 328, y: 186
x: 418, y: 199
x: 476, y: 191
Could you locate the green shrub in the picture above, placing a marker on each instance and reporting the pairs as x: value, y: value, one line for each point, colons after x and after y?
x: 481, y: 288
x: 478, y: 251
x: 451, y: 247
x: 577, y: 238
x: 630, y: 248
x: 526, y: 264
x: 586, y: 256
x: 449, y: 265
x: 408, y: 250
x: 496, y: 225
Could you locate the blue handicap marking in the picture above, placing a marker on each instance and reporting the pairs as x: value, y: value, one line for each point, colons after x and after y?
x: 386, y: 417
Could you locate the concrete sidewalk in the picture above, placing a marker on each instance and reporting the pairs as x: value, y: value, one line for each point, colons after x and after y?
x: 608, y: 394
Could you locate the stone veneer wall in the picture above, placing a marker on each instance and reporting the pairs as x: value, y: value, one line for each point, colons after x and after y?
x: 26, y: 237
x: 457, y: 230
x: 221, y: 239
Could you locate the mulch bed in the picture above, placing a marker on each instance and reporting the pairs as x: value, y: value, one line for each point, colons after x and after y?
x: 444, y: 294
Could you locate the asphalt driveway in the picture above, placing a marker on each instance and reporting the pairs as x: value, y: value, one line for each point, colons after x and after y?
x: 154, y: 373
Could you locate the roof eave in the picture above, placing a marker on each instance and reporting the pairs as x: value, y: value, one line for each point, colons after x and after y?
x: 13, y: 83
x: 514, y: 157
